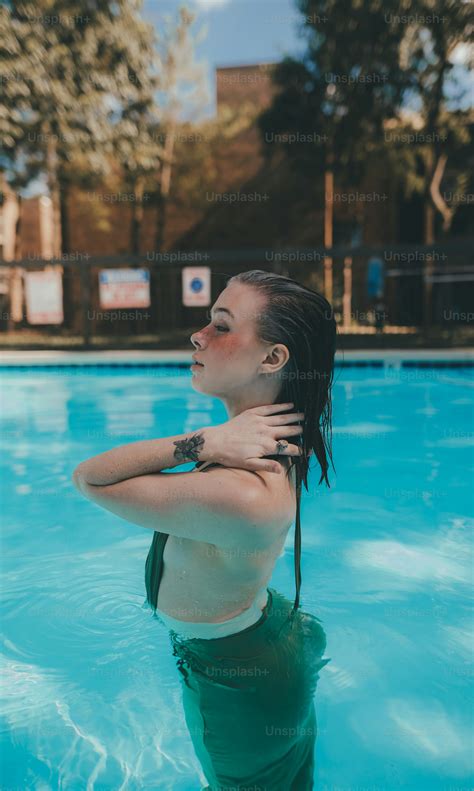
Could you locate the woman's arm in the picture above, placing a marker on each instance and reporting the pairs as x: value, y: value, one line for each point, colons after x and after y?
x: 221, y: 507
x: 241, y: 442
x: 144, y: 457
x: 224, y: 507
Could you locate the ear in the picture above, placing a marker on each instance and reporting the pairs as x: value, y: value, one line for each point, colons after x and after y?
x: 275, y: 359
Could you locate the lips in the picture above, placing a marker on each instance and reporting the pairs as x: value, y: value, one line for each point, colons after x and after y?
x: 196, y: 362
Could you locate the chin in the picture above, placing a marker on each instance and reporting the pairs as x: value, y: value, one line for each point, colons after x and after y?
x: 200, y: 388
x: 196, y: 384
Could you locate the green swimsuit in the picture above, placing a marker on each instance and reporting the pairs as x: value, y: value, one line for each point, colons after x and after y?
x: 248, y: 697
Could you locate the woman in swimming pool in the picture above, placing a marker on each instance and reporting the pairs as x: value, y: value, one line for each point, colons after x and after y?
x: 249, y: 659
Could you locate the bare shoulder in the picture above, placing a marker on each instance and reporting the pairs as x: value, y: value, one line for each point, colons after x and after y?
x: 271, y: 497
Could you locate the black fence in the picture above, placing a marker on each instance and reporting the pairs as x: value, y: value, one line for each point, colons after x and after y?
x: 423, y: 286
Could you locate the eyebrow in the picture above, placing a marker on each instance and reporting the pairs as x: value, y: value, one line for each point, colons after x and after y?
x: 223, y: 310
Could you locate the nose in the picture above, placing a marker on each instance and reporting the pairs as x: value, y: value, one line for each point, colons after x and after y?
x: 198, y: 339
x: 195, y: 340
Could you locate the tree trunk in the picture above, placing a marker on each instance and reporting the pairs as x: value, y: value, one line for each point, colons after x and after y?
x: 165, y: 185
x: 17, y: 251
x: 429, y: 239
x: 64, y: 215
x: 328, y: 225
x: 347, y: 297
x: 53, y: 185
x: 137, y: 216
x: 160, y: 223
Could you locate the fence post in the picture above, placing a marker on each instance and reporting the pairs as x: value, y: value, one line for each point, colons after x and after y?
x: 428, y: 291
x: 328, y: 278
x: 347, y: 296
x: 85, y: 302
x: 328, y: 225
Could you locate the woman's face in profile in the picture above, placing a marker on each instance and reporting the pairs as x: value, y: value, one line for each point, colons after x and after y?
x: 228, y: 346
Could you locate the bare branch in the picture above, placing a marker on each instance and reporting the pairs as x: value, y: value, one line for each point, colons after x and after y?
x: 443, y: 208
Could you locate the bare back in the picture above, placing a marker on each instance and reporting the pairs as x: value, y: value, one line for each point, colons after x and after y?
x: 204, y: 582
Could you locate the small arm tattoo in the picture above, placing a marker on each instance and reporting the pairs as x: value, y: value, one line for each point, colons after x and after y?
x: 188, y: 449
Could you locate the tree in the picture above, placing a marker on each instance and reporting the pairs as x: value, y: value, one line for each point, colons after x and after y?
x: 345, y: 85
x: 68, y: 72
x: 434, y: 39
x: 183, y: 84
x: 414, y: 51
x: 331, y: 104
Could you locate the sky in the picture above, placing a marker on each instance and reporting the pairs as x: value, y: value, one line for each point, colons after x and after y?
x: 237, y: 32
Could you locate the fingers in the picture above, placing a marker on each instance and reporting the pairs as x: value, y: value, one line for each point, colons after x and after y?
x: 267, y: 465
x: 291, y: 450
x: 294, y: 450
x: 268, y: 409
x: 280, y: 420
x: 269, y: 448
x: 286, y: 431
x: 264, y: 465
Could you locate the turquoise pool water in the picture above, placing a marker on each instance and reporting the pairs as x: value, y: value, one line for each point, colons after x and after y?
x: 91, y: 695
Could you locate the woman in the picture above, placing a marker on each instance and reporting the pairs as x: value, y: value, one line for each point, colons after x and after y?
x: 249, y: 659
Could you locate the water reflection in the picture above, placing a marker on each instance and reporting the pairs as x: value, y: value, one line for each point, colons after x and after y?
x: 249, y: 699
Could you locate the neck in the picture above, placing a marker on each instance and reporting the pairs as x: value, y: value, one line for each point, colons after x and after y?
x: 235, y: 405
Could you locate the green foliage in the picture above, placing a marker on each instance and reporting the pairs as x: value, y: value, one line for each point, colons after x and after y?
x: 435, y: 51
x: 373, y: 74
x: 347, y: 83
x: 90, y: 89
x: 67, y: 70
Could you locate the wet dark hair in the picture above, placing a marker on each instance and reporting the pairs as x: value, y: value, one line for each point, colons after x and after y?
x: 303, y: 320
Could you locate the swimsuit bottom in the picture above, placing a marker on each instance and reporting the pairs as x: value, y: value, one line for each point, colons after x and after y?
x: 211, y: 631
x: 249, y: 700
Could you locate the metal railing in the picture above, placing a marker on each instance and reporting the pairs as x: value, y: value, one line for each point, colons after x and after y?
x: 424, y: 286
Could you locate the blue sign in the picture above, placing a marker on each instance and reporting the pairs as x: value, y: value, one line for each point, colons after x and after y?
x: 375, y: 277
x: 110, y: 276
x: 196, y: 285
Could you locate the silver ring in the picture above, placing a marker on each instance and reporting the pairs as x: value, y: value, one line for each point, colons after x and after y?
x: 282, y: 444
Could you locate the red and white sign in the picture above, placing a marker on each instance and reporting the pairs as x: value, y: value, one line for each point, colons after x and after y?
x: 196, y: 283
x: 44, y: 297
x: 124, y: 288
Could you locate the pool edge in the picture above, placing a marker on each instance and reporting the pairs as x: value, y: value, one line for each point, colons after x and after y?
x: 366, y: 357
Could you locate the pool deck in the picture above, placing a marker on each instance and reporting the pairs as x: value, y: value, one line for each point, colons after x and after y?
x: 56, y: 358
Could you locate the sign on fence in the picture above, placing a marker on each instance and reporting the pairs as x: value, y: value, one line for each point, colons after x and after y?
x: 44, y: 297
x: 196, y: 284
x: 124, y: 288
x: 375, y: 276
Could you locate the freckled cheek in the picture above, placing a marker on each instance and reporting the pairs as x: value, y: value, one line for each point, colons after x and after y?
x: 229, y: 348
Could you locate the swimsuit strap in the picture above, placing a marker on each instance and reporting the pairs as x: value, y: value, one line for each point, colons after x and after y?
x: 154, y: 561
x: 154, y: 567
x: 212, y: 464
x: 297, y: 546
